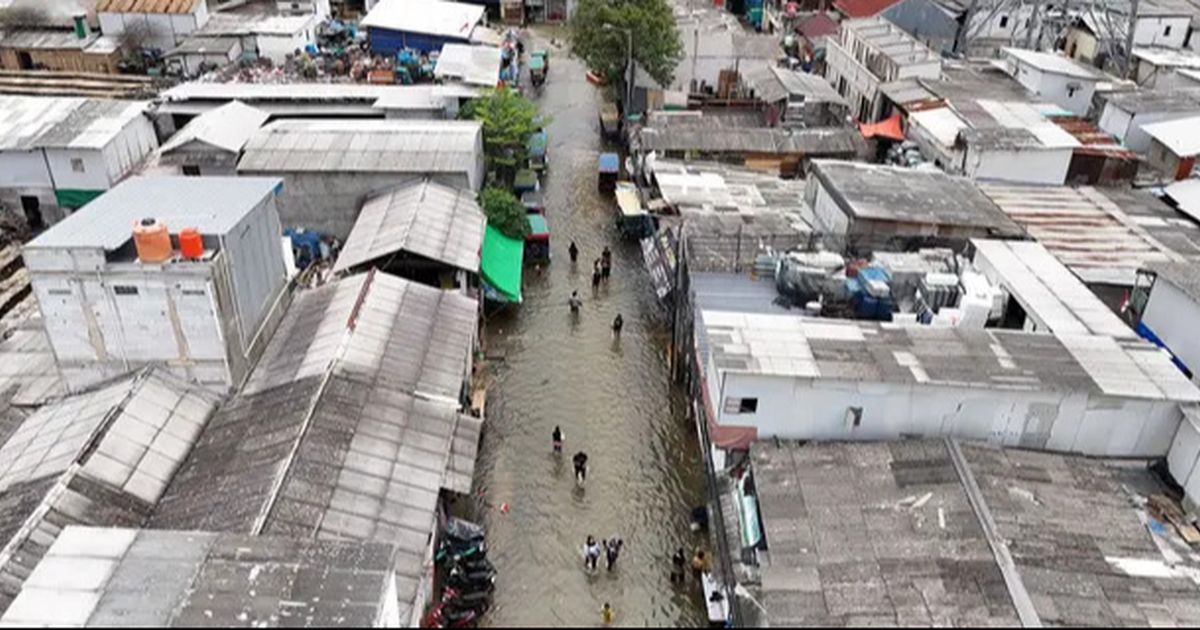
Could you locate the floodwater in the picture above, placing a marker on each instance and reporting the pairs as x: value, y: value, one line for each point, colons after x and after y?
x: 613, y: 399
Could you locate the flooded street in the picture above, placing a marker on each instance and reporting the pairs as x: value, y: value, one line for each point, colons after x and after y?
x: 613, y: 399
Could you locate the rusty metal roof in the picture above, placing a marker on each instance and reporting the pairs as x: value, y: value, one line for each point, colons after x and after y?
x: 145, y: 6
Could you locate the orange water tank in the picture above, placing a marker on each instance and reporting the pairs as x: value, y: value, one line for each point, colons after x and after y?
x: 191, y: 244
x: 152, y: 241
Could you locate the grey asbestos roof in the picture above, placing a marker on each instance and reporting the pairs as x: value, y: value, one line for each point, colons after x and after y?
x: 861, y: 351
x: 352, y: 146
x: 1155, y: 101
x: 110, y: 451
x: 347, y: 429
x: 775, y: 84
x: 214, y: 205
x: 820, y: 141
x: 1184, y: 275
x: 438, y: 222
x: 874, y: 533
x: 137, y: 578
x: 889, y: 193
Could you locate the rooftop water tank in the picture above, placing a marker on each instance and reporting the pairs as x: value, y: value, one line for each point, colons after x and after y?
x: 152, y: 241
x: 191, y: 244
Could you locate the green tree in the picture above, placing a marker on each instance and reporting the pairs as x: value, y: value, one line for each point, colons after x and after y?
x: 656, y: 45
x: 504, y: 212
x: 508, y: 120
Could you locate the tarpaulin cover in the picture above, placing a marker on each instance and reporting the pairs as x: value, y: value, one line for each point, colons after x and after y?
x: 889, y: 128
x: 539, y: 230
x: 75, y: 198
x: 500, y: 263
x: 610, y: 163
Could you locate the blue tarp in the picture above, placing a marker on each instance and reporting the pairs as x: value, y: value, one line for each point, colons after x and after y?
x: 610, y: 163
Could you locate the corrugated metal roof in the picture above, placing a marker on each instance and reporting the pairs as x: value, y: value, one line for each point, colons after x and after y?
x: 1046, y: 289
x: 1181, y: 136
x: 45, y: 38
x: 424, y: 96
x: 213, y: 205
x: 444, y: 19
x: 92, y: 124
x: 227, y: 127
x: 795, y: 346
x: 473, y: 65
x: 1157, y: 101
x: 1186, y: 195
x: 355, y: 146
x: 145, y: 578
x: 250, y: 92
x: 348, y: 428
x: 1083, y: 228
x: 146, y: 6
x: 425, y: 218
x: 24, y: 119
x: 705, y: 137
x: 195, y: 45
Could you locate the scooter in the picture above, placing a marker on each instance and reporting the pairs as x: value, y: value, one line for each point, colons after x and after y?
x: 478, y: 600
x: 482, y: 581
x: 443, y: 616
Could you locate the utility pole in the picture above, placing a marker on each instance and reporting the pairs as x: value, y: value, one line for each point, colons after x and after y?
x: 1033, y: 23
x: 1133, y: 12
x: 960, y: 39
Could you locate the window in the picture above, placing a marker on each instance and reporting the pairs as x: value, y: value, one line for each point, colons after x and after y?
x: 1167, y: 31
x: 124, y: 289
x: 77, y: 165
x: 1071, y: 91
x: 1003, y: 21
x: 191, y: 170
x: 741, y: 405
x: 853, y: 416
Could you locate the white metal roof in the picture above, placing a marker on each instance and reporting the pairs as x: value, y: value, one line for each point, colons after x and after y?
x: 474, y: 65
x: 1046, y: 289
x: 281, y: 91
x: 227, y: 127
x: 213, y: 205
x: 424, y: 96
x: 942, y: 123
x: 23, y: 119
x: 425, y: 218
x: 1052, y: 63
x: 1187, y: 197
x: 1167, y: 57
x: 356, y: 146
x: 1017, y: 115
x: 445, y: 19
x: 1181, y: 136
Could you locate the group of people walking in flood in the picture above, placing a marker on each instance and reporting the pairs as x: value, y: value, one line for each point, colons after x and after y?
x: 601, y: 272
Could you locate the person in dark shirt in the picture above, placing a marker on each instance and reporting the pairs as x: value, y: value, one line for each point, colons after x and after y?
x: 580, y: 461
x: 557, y: 439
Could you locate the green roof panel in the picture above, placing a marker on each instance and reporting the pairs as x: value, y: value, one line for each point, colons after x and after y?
x: 501, y: 263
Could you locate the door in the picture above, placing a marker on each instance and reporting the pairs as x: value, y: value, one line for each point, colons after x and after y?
x: 191, y: 170
x: 24, y: 60
x: 33, y: 213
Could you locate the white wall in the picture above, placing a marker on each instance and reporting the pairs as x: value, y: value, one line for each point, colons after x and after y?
x: 1031, y: 166
x: 1115, y: 121
x: 93, y: 177
x: 1184, y: 457
x: 104, y: 167
x: 20, y: 169
x: 1137, y: 139
x: 1167, y: 32
x: 816, y: 409
x: 1003, y: 25
x: 278, y: 47
x: 1175, y: 318
x: 166, y: 31
x: 1070, y: 93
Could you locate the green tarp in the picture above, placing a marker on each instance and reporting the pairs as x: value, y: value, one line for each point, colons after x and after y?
x: 500, y: 263
x: 75, y: 198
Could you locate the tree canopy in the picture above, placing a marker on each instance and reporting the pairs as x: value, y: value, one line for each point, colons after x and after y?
x: 508, y: 119
x: 656, y: 45
x: 504, y: 212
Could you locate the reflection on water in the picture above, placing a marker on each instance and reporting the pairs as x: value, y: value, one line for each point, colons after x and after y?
x: 611, y: 396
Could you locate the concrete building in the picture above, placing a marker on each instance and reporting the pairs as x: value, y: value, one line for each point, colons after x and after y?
x: 422, y: 231
x: 928, y: 21
x: 205, y: 320
x: 360, y: 390
x: 161, y: 24
x: 469, y: 65
x: 392, y: 25
x: 1001, y: 141
x: 948, y: 533
x: 1174, y: 145
x: 102, y: 457
x: 1125, y: 113
x: 1053, y: 77
x: 271, y: 37
x: 871, y: 52
x: 789, y: 377
x: 212, y: 142
x: 1165, y: 305
x: 189, y: 579
x: 330, y: 167
x: 57, y: 154
x: 197, y: 55
x: 872, y: 207
x: 1160, y: 67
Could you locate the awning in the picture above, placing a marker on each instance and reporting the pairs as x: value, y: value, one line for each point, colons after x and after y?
x: 889, y: 128
x: 75, y: 198
x: 500, y: 263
